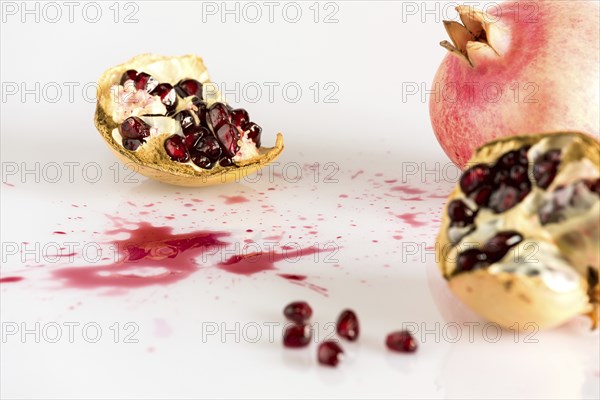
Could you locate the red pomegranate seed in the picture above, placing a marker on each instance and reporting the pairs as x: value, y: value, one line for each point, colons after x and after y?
x: 228, y: 136
x: 470, y: 259
x: 225, y: 162
x: 459, y: 213
x: 144, y: 81
x: 189, y: 87
x: 482, y: 195
x: 239, y: 117
x: 132, y: 144
x: 498, y: 246
x: 134, y: 128
x: 507, y: 160
x: 593, y: 185
x: 167, y: 95
x: 128, y: 75
x: 298, y: 311
x: 504, y: 198
x: 401, y: 341
x: 209, y: 147
x: 329, y: 353
x: 474, y: 178
x: 546, y: 167
x: 202, y: 161
x: 297, y: 336
x: 347, y: 325
x: 253, y: 131
x: 186, y: 120
x: 193, y: 135
x: 202, y: 112
x: 218, y: 115
x: 175, y: 148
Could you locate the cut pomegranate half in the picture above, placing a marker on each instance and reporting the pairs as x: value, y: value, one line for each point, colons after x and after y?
x: 155, y: 104
x: 521, y: 231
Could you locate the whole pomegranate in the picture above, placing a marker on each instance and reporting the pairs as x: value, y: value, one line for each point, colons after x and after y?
x: 520, y: 67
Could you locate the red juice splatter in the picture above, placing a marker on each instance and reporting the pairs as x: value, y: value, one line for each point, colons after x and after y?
x: 410, y: 219
x: 407, y: 189
x: 293, y: 277
x: 252, y: 263
x: 59, y: 233
x: 11, y: 279
x: 150, y: 255
x: 235, y: 199
x: 357, y: 174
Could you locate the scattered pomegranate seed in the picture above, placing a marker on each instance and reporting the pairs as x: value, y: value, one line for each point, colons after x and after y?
x: 298, y: 311
x: 297, y: 336
x: 329, y: 353
x: 175, y: 148
x: 401, y: 341
x: 347, y: 325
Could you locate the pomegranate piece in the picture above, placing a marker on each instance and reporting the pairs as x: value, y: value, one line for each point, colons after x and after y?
x: 498, y: 246
x: 329, y: 353
x: 228, y: 136
x: 132, y: 144
x: 130, y: 74
x: 297, y: 335
x: 167, y: 95
x: 175, y: 148
x: 209, y: 147
x: 189, y: 87
x: 218, y: 115
x: 470, y: 260
x: 253, y: 131
x: 460, y: 214
x: 298, y: 311
x: 347, y: 325
x: 239, y: 117
x: 144, y: 81
x: 474, y: 178
x: 401, y: 341
x: 134, y: 128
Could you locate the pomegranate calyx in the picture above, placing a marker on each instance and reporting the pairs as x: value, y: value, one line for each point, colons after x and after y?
x: 480, y: 36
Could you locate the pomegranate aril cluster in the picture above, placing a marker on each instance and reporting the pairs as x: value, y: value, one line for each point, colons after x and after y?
x: 492, y: 251
x: 210, y: 134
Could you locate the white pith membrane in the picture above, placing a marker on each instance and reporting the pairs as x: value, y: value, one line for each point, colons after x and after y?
x: 560, y: 251
x: 481, y: 36
x: 127, y: 101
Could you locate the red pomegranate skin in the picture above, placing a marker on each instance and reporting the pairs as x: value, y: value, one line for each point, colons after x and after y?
x: 547, y: 76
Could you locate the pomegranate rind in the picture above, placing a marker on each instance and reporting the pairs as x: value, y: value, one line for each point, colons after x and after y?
x: 516, y: 301
x: 150, y: 159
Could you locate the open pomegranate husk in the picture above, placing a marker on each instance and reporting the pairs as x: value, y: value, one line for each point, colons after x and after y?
x: 153, y: 112
x: 520, y: 236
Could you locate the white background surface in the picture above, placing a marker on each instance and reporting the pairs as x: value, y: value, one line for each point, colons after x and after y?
x: 367, y: 54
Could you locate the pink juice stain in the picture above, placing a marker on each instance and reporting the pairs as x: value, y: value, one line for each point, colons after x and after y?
x: 150, y: 255
x: 235, y: 199
x: 407, y: 189
x: 411, y: 219
x: 11, y: 279
x: 252, y: 263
